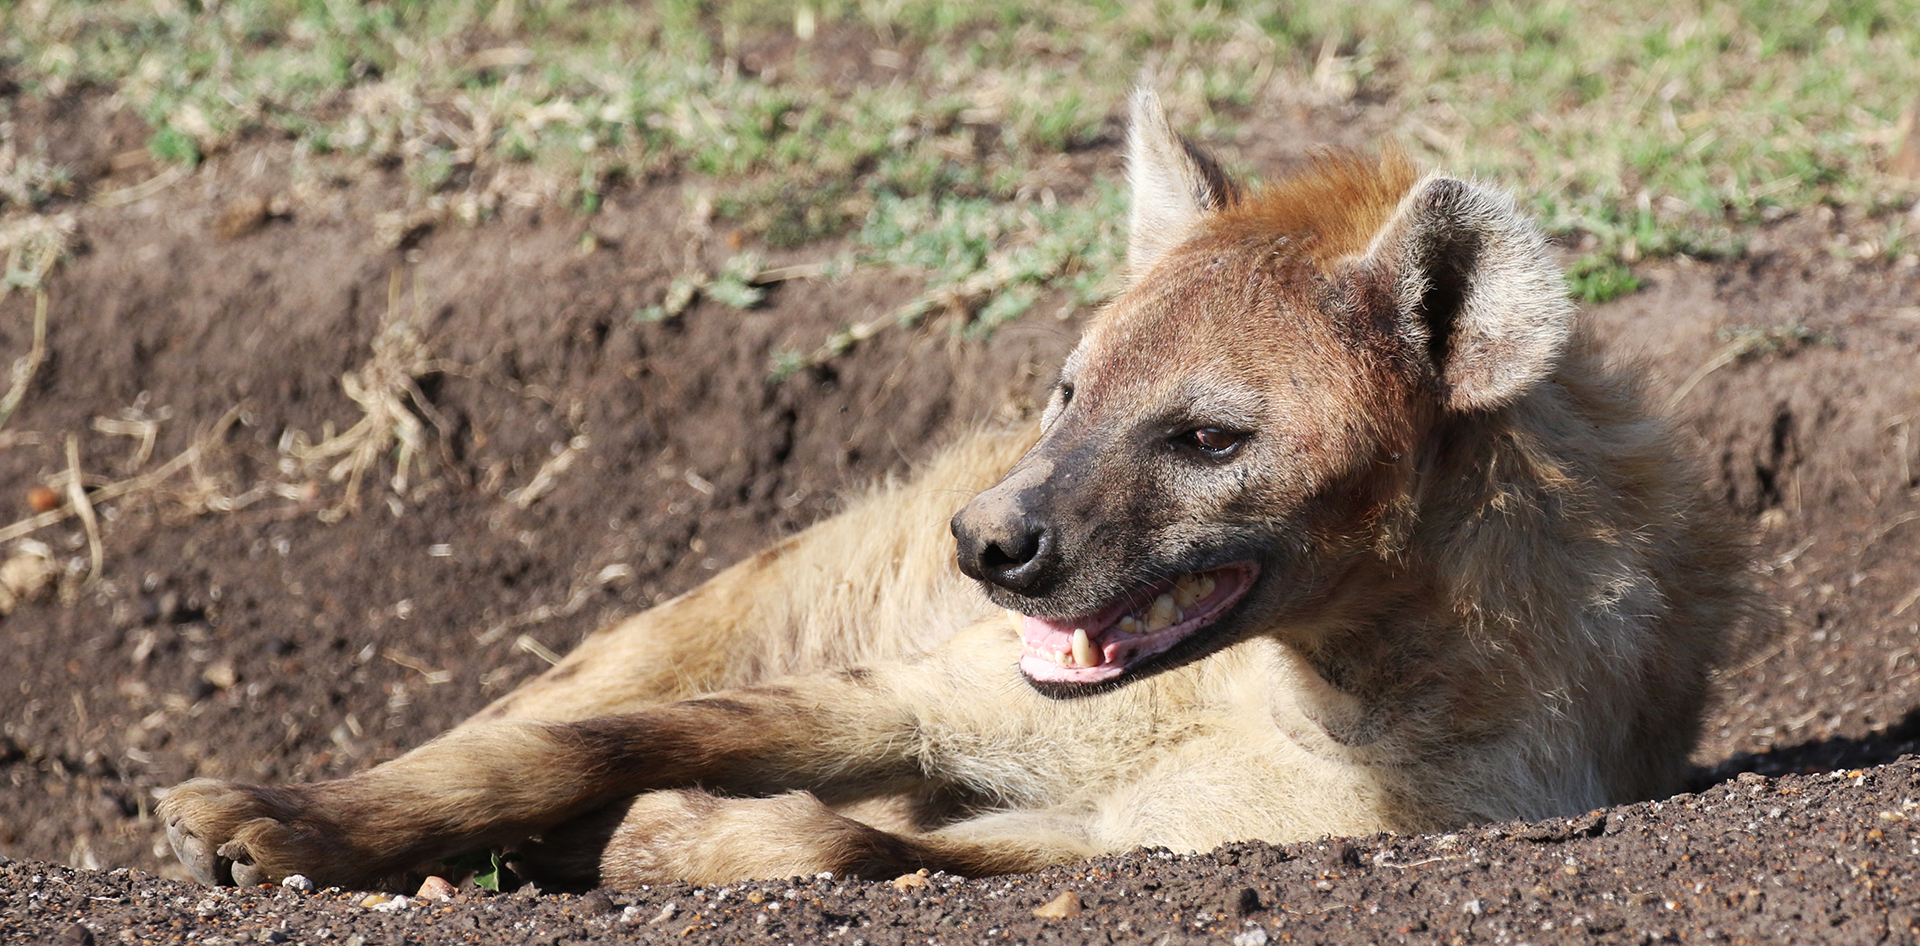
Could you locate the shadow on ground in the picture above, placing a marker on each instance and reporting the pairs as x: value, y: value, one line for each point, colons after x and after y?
x: 1878, y: 747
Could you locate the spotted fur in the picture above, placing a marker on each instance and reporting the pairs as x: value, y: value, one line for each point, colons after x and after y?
x: 1486, y: 587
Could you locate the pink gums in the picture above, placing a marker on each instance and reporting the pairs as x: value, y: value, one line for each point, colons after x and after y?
x: 1117, y: 652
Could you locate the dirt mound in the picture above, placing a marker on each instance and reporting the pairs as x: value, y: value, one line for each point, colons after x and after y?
x: 1797, y: 859
x: 567, y: 462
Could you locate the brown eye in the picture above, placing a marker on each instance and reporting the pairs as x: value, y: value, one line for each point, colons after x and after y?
x: 1214, y: 442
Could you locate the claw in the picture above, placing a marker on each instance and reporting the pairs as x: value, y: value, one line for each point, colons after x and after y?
x: 201, y: 861
x: 247, y: 875
x: 240, y: 860
x: 240, y: 863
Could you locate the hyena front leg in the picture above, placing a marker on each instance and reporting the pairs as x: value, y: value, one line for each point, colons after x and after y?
x: 875, y: 583
x: 699, y: 837
x: 491, y: 784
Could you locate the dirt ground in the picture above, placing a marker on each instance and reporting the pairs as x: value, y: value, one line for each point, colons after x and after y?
x: 576, y: 464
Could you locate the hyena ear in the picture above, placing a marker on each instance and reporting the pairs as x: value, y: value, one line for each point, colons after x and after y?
x: 1474, y: 285
x: 1173, y: 183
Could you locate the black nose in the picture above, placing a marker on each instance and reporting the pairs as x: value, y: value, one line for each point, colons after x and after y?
x: 1003, y: 547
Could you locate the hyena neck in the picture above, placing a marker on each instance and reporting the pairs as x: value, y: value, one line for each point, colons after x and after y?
x: 1375, y: 662
x: 1533, y: 537
x: 1526, y: 514
x: 1517, y: 552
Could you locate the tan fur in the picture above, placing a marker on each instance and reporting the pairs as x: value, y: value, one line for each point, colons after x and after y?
x: 1487, y: 589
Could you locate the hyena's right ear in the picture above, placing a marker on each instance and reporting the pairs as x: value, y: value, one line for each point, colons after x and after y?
x: 1173, y: 183
x: 1475, y: 286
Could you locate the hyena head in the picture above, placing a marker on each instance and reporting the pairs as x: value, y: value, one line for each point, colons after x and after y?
x: 1237, y: 441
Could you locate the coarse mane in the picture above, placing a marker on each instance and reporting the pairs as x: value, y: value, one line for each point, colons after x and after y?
x: 1334, y: 207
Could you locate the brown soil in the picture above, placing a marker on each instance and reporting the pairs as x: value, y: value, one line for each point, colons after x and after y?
x: 263, y: 642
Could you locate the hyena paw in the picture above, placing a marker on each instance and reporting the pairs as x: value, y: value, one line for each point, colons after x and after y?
x: 227, y: 833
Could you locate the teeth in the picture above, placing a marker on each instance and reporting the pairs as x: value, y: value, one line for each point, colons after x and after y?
x: 1192, y: 589
x: 1183, y: 592
x: 1131, y: 626
x: 1164, y: 614
x: 1083, y: 652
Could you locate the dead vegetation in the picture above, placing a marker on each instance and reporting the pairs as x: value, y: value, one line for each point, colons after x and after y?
x: 33, y: 245
x: 387, y: 390
x: 1745, y: 342
x: 385, y: 387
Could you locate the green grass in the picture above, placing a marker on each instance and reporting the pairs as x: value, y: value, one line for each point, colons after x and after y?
x: 1657, y: 128
x: 1595, y: 279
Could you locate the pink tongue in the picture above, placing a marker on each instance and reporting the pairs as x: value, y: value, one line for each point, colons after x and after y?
x: 1055, y: 634
x: 1050, y: 634
x: 1048, y: 637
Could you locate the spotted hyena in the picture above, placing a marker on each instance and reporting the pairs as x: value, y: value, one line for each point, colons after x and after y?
x: 1336, y: 522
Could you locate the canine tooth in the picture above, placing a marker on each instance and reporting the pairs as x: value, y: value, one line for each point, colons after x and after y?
x: 1164, y: 614
x: 1083, y: 652
x: 1131, y: 626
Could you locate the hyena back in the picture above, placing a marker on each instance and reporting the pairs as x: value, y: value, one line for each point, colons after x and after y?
x: 1337, y: 522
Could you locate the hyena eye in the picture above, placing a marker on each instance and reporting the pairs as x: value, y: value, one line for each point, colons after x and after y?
x: 1056, y: 403
x: 1213, y: 441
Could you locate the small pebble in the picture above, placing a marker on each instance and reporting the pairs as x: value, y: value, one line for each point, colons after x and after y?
x: 1062, y: 907
x: 242, y: 216
x: 906, y: 882
x: 435, y: 888
x: 221, y: 674
x: 1254, y: 936
x: 42, y: 499
x: 298, y: 883
x: 1341, y: 855
x: 595, y: 903
x: 666, y: 913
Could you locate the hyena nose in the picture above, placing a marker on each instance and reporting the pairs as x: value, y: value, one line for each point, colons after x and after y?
x: 1009, y: 551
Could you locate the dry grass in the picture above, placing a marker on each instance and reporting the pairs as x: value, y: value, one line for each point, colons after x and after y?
x: 30, y: 568
x: 387, y: 390
x: 32, y: 245
x: 1746, y: 342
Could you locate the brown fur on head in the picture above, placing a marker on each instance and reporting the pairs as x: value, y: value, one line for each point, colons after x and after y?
x: 1253, y: 408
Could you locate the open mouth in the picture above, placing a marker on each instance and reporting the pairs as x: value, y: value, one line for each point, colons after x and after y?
x: 1097, y: 647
